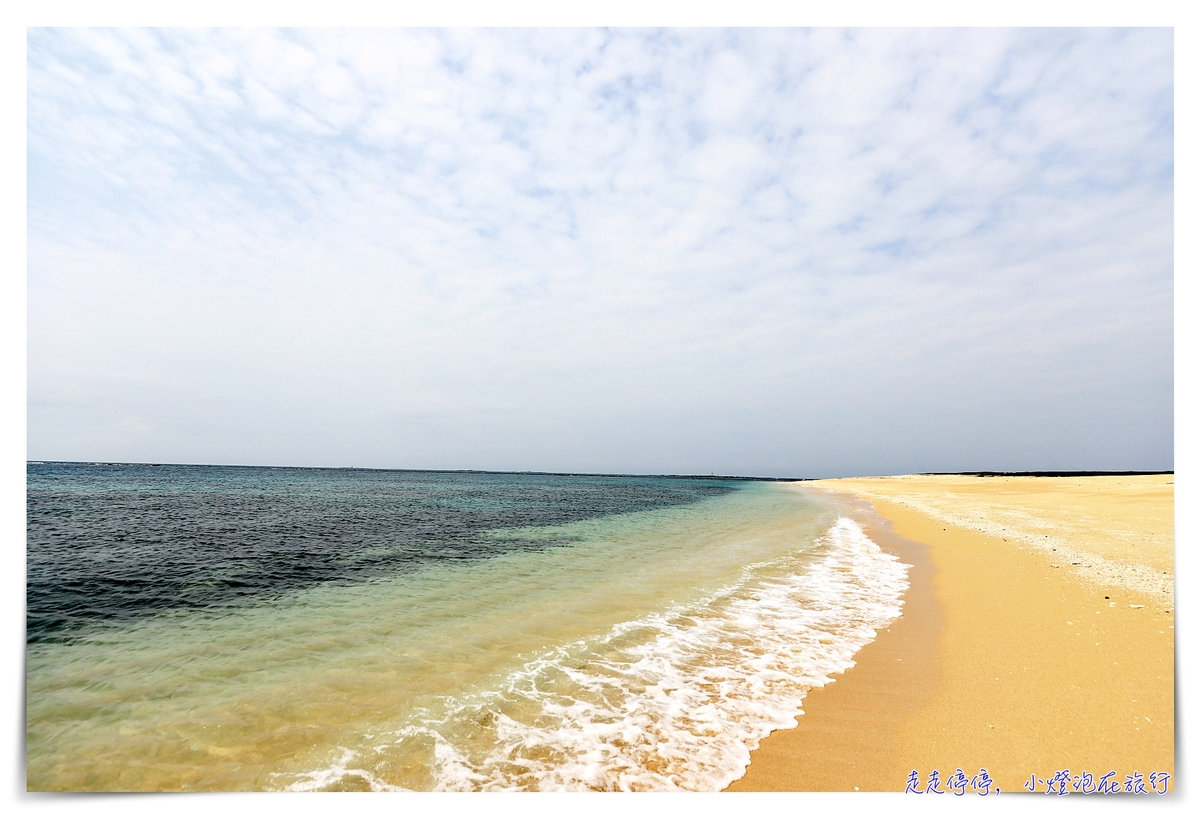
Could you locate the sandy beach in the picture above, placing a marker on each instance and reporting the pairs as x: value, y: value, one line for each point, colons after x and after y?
x: 1037, y: 636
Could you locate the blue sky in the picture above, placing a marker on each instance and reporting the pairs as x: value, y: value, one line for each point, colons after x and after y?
x: 774, y: 252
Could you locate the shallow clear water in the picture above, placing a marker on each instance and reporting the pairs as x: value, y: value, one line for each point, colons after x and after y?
x: 553, y: 633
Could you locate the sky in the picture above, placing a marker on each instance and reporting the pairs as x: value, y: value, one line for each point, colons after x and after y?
x: 768, y: 252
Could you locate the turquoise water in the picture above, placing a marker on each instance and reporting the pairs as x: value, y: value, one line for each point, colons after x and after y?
x: 643, y: 650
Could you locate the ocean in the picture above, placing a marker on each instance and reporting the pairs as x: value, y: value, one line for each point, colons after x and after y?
x: 244, y: 628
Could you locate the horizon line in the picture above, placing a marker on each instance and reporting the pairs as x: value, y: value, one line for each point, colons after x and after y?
x: 535, y: 472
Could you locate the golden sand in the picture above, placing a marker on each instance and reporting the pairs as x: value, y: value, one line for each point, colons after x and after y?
x: 1037, y: 636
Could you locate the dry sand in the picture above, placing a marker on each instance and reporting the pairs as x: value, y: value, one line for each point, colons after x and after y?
x: 1037, y: 636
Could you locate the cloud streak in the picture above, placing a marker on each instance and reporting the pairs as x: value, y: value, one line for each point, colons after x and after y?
x: 753, y: 251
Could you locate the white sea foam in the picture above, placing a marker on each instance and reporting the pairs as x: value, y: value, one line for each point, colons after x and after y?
x: 672, y: 701
x: 338, y: 773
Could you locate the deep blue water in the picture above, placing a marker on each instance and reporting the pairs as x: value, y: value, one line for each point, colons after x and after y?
x: 112, y: 543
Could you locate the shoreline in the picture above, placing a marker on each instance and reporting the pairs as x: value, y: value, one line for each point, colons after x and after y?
x: 1002, y: 658
x: 891, y: 677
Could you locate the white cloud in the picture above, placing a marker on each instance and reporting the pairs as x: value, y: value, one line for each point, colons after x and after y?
x: 540, y: 249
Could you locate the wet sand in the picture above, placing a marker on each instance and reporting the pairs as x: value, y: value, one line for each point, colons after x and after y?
x: 1037, y: 636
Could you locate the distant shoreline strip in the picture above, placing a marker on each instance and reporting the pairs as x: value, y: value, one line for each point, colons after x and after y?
x: 601, y: 474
